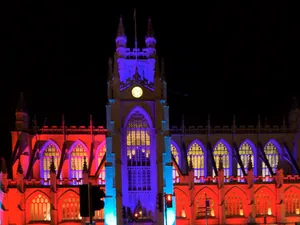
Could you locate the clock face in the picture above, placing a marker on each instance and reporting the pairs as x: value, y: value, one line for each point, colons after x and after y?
x: 137, y: 92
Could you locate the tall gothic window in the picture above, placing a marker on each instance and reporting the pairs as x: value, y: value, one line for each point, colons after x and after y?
x: 71, y: 207
x: 221, y: 152
x: 292, y: 203
x: 101, y: 153
x: 263, y: 203
x: 138, y: 159
x: 50, y: 152
x: 234, y: 206
x: 40, y: 208
x: 245, y: 152
x: 201, y: 206
x: 174, y: 152
x: 77, y: 159
x: 196, y: 154
x: 272, y: 156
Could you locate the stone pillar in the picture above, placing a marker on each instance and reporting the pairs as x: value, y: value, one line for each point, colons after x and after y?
x: 192, y: 194
x: 250, y: 191
x: 53, y: 194
x: 222, y: 217
x: 21, y: 190
x: 280, y: 209
x: 85, y: 180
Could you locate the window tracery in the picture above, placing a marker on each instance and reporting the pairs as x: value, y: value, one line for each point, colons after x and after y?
x: 234, y: 206
x: 175, y: 154
x: 196, y: 154
x: 77, y: 159
x: 245, y: 152
x: 271, y: 153
x: 40, y: 208
x: 50, y: 152
x: 138, y: 159
x: 202, y: 208
x: 292, y: 203
x: 221, y: 152
x: 101, y: 154
x: 263, y: 203
x: 71, y: 207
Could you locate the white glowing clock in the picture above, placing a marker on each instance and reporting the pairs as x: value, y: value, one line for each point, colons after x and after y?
x: 137, y: 92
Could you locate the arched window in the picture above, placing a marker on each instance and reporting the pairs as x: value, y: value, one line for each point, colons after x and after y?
x: 78, y: 153
x: 138, y: 159
x: 71, y: 207
x: 234, y: 205
x: 263, y: 203
x: 50, y: 152
x: 101, y: 153
x: 196, y: 154
x: 292, y: 203
x: 201, y: 204
x: 272, y: 156
x: 40, y: 208
x: 221, y: 152
x: 245, y: 152
x: 174, y: 152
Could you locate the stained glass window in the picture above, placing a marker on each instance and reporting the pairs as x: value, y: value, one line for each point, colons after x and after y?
x: 234, y: 205
x: 101, y: 154
x: 272, y: 156
x: 196, y: 154
x: 245, y: 152
x: 40, y: 208
x: 78, y: 153
x: 221, y: 152
x: 50, y: 152
x: 71, y: 207
x: 174, y: 152
x: 292, y: 203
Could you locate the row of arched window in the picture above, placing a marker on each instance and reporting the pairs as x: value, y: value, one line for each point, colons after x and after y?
x: 196, y: 153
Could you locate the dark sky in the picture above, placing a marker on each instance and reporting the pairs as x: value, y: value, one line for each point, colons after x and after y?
x: 230, y: 58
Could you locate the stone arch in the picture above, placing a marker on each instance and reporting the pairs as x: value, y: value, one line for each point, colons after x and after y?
x: 226, y: 144
x: 45, y: 173
x: 182, y: 203
x: 292, y: 200
x: 69, y: 206
x: 100, y: 147
x: 204, y: 169
x: 254, y: 153
x: 75, y: 143
x: 291, y: 187
x: 239, y: 190
x: 204, y: 194
x: 140, y: 110
x: 37, y: 207
x: 177, y: 148
x: 265, y: 201
x: 276, y: 144
x: 236, y: 202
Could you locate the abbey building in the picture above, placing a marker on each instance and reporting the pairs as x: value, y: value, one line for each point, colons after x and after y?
x: 228, y: 175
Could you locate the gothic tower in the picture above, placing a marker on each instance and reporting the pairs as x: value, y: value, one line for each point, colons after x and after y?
x: 138, y: 142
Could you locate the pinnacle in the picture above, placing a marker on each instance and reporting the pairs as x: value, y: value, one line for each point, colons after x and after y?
x: 21, y: 106
x: 150, y: 31
x: 121, y: 30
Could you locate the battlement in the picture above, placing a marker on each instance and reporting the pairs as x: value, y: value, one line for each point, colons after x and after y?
x: 230, y: 129
x: 136, y: 53
x: 71, y: 130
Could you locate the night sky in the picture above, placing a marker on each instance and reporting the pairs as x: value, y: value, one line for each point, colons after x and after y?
x: 233, y: 58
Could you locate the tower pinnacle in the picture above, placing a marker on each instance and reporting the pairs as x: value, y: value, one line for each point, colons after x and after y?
x: 121, y: 30
x: 21, y: 106
x: 150, y: 31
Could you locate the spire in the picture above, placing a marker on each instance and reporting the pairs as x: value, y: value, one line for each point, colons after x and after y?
x: 52, y: 166
x: 19, y: 169
x: 3, y: 165
x: 84, y: 168
x: 121, y: 30
x: 150, y: 31
x: 21, y: 106
x: 110, y: 69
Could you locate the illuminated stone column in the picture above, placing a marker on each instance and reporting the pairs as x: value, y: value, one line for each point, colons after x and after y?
x: 21, y: 190
x: 250, y: 193
x: 192, y: 194
x: 280, y: 209
x: 53, y: 194
x: 85, y: 180
x: 222, y: 217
